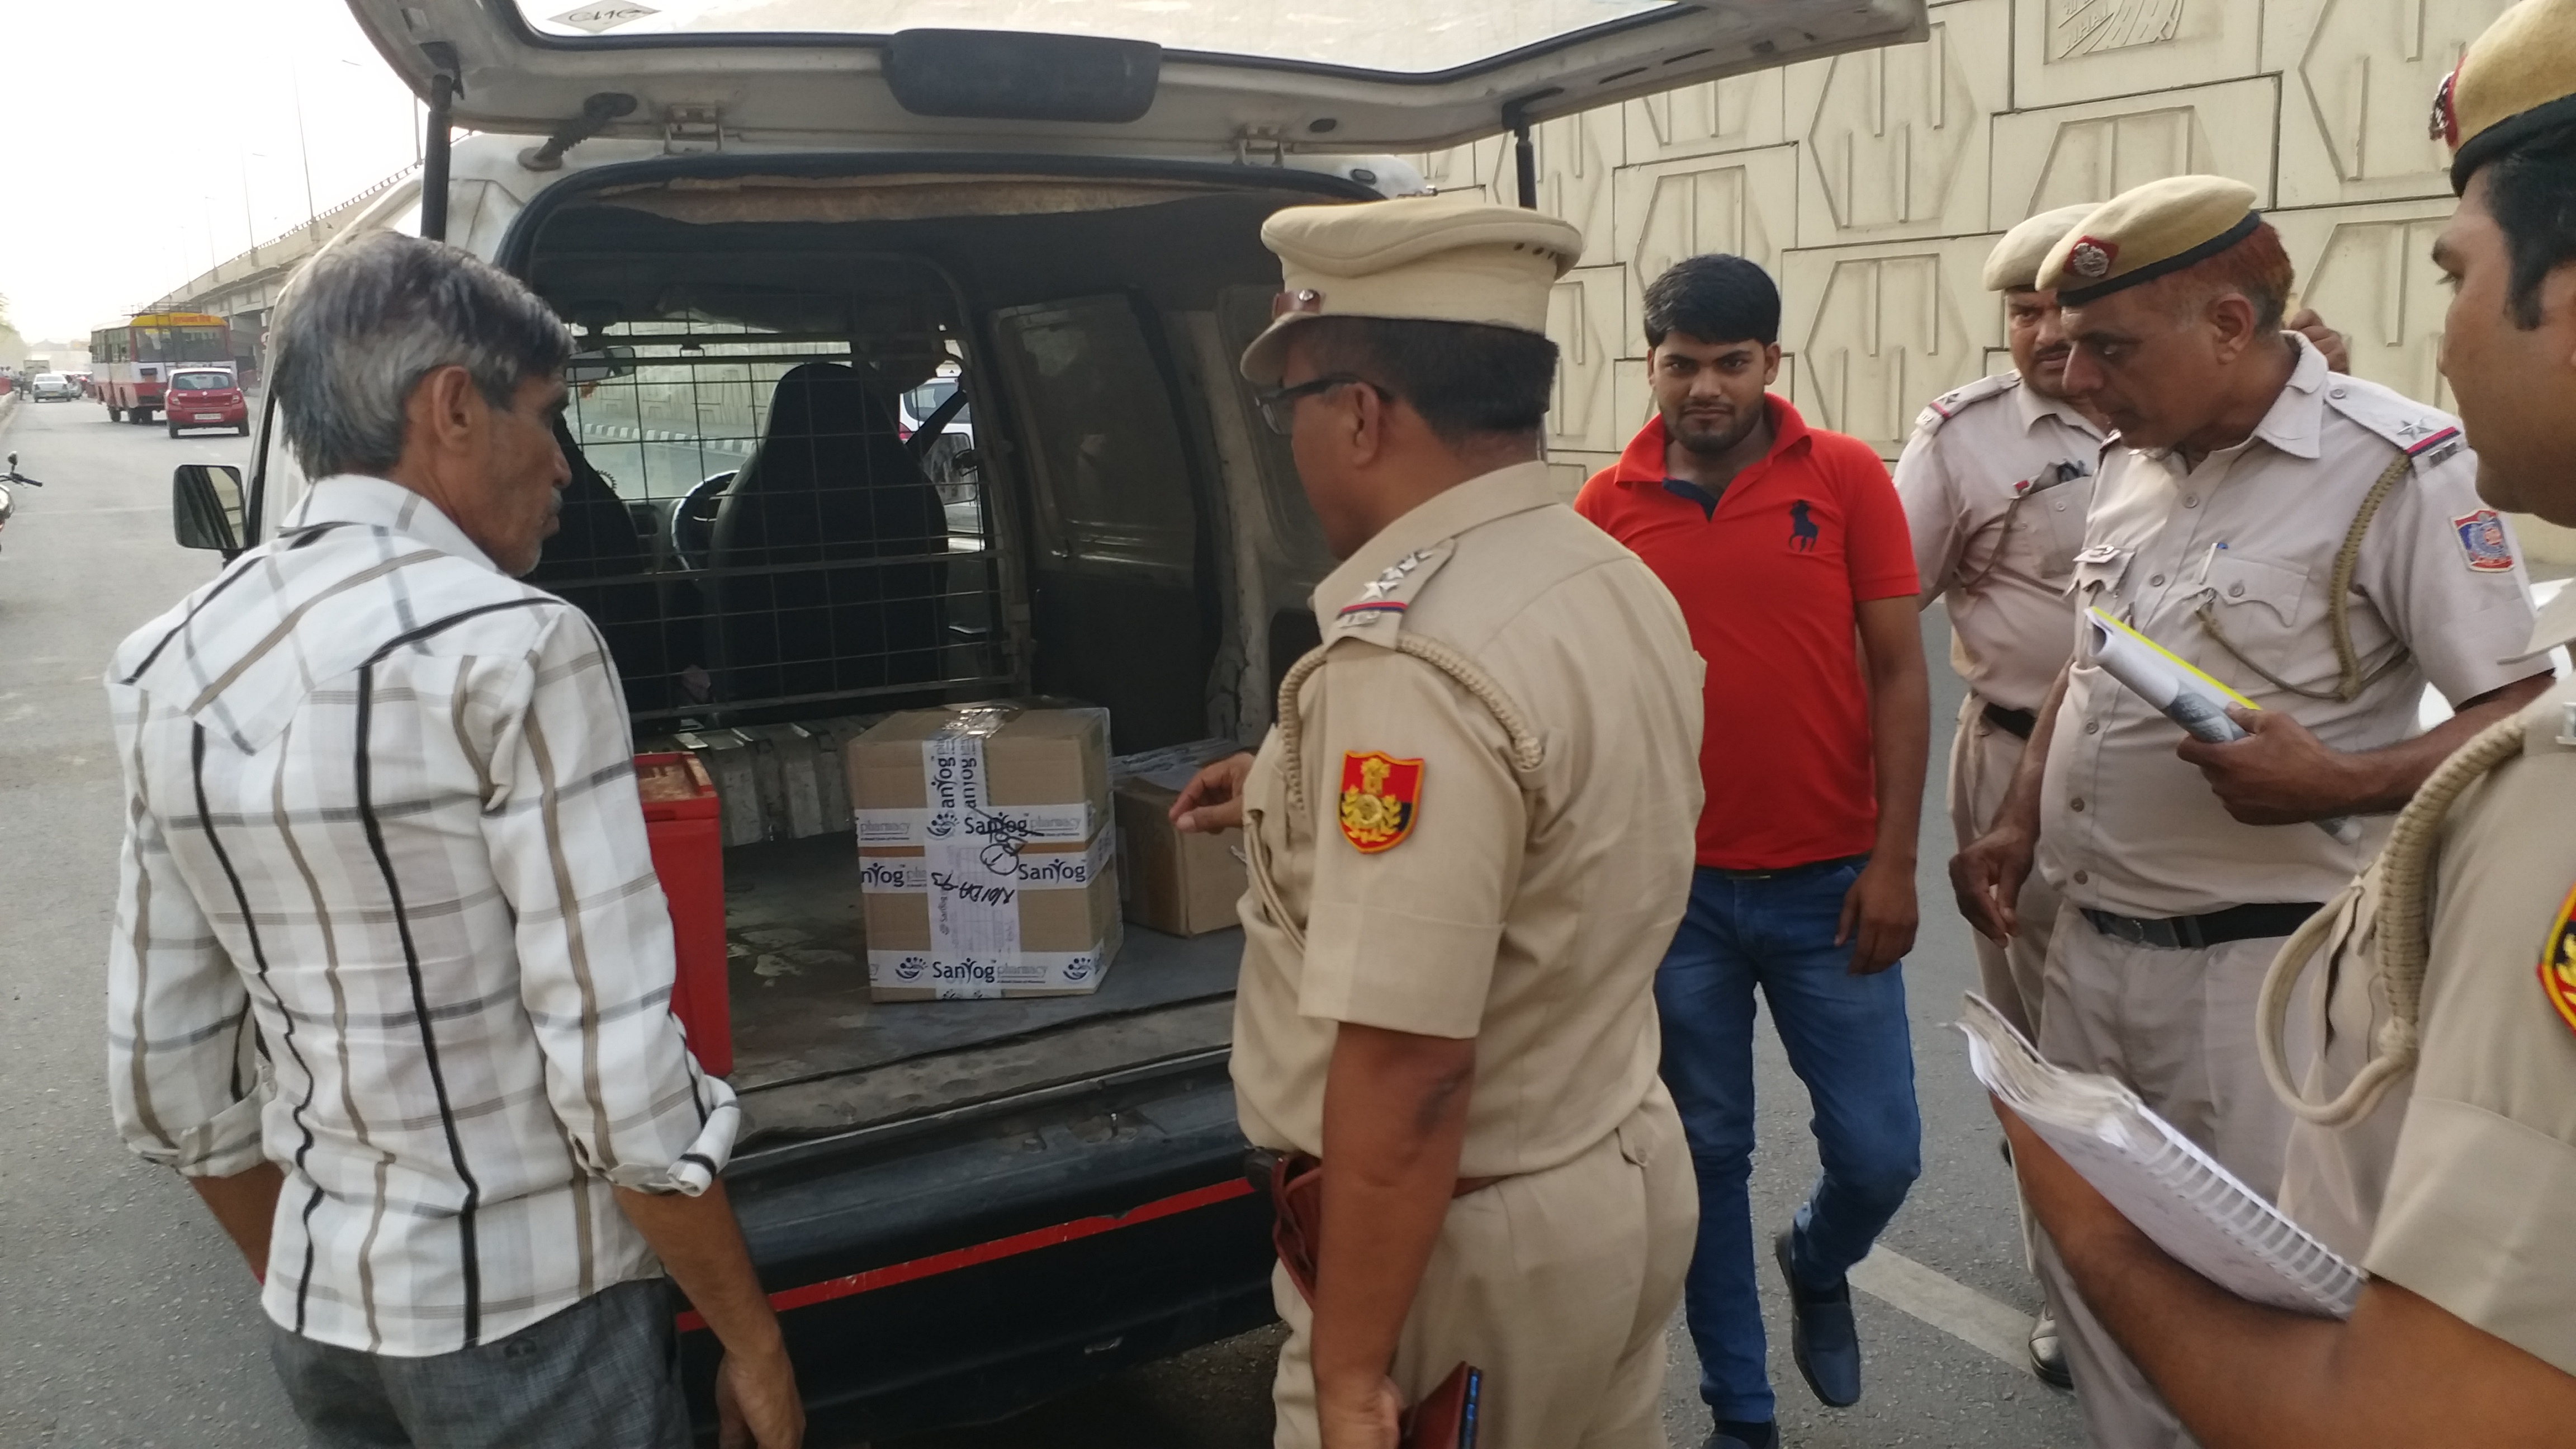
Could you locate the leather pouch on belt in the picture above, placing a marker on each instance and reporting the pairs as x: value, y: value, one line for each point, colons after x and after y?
x: 1294, y: 1183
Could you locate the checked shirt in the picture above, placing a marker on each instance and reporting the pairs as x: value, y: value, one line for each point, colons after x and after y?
x: 387, y: 918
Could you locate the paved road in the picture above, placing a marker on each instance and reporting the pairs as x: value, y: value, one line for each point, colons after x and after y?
x: 133, y: 1324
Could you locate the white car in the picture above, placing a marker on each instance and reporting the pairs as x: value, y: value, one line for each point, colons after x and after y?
x: 53, y: 387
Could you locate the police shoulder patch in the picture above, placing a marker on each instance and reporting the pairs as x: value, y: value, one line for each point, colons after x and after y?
x: 2483, y: 540
x: 1949, y: 404
x: 2558, y: 962
x: 1381, y: 798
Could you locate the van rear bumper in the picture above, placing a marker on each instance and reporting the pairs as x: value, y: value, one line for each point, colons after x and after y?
x: 959, y: 1275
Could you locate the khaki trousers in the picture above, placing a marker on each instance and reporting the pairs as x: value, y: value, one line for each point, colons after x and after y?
x: 1557, y: 1285
x: 1982, y: 759
x: 2178, y: 1027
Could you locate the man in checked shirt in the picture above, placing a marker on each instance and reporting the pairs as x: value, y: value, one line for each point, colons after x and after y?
x: 391, y: 974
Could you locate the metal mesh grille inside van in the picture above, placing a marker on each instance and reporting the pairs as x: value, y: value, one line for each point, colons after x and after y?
x: 765, y: 523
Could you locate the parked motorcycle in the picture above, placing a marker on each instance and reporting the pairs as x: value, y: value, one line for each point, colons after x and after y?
x: 7, y: 479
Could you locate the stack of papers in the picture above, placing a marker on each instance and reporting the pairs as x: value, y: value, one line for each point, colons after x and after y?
x: 2178, y: 1195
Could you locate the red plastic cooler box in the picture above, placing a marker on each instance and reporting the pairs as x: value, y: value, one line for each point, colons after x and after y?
x: 681, y: 820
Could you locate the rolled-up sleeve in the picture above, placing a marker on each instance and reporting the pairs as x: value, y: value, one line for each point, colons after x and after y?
x: 184, y: 1077
x: 565, y: 829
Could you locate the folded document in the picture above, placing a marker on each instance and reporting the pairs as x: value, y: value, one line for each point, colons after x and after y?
x: 2178, y: 1195
x: 2180, y: 691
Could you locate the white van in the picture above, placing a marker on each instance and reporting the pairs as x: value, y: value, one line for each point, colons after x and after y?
x: 788, y: 245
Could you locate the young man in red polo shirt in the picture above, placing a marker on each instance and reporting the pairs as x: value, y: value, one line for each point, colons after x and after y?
x: 1787, y: 549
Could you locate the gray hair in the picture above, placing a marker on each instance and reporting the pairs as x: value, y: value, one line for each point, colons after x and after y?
x: 367, y: 319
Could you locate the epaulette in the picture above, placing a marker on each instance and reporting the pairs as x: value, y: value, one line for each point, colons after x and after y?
x: 1949, y: 404
x: 1377, y: 615
x: 2424, y: 434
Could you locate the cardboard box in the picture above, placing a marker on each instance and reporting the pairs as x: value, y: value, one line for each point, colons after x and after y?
x: 986, y: 863
x: 1043, y: 776
x: 1181, y: 885
x: 1063, y: 924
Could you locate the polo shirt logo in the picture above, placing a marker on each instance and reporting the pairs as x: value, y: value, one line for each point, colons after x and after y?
x: 1803, y: 532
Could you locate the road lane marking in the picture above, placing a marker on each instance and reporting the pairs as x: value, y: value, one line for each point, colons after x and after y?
x: 1998, y: 1330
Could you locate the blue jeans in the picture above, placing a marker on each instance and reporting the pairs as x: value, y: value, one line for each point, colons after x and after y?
x: 1847, y: 1040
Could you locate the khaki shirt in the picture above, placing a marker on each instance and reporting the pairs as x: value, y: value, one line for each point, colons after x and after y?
x: 2461, y: 1184
x: 2253, y: 533
x: 1526, y: 908
x: 1996, y: 504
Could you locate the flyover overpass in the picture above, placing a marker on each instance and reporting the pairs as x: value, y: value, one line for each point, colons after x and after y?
x: 243, y: 289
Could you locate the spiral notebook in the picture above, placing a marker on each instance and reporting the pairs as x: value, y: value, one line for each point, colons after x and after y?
x: 2178, y: 1195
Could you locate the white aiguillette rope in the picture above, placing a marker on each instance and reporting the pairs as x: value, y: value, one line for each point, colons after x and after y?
x: 2380, y: 924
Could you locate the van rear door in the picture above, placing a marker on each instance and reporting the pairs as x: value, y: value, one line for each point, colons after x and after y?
x: 1176, y: 77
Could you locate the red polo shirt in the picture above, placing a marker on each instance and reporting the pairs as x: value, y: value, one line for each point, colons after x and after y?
x: 1768, y: 579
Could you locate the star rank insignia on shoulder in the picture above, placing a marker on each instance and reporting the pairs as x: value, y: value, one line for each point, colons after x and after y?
x: 2429, y: 438
x: 1378, y: 613
x: 1950, y: 404
x: 1381, y: 798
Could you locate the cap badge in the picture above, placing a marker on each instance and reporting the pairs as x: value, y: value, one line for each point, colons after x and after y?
x: 1305, y: 299
x: 2091, y: 259
x: 1381, y: 796
x: 2445, y: 124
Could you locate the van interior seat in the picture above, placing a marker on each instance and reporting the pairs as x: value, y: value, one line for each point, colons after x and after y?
x: 830, y: 483
x: 597, y: 561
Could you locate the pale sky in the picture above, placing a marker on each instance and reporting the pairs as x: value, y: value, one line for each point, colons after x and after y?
x: 144, y: 138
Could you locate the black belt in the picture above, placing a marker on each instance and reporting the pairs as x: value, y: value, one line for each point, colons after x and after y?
x: 2215, y: 928
x: 1813, y: 867
x: 2017, y: 722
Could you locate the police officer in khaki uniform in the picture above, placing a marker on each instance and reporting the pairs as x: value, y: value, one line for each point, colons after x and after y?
x: 2437, y: 1140
x: 2315, y: 543
x: 1996, y: 483
x: 1470, y: 839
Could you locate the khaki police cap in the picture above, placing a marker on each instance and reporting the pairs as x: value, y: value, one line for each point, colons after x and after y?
x: 2517, y: 78
x: 2013, y: 266
x: 2148, y: 232
x: 1415, y: 258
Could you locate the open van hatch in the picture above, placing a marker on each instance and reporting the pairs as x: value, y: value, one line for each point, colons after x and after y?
x: 1201, y: 77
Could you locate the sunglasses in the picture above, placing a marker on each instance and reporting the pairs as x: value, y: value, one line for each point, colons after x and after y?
x: 1279, y: 404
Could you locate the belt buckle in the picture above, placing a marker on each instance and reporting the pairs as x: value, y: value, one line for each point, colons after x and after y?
x: 2121, y: 928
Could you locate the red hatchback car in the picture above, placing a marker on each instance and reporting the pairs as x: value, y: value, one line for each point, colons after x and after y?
x: 205, y: 398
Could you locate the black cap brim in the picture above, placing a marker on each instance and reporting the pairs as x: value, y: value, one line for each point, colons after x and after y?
x: 2506, y: 134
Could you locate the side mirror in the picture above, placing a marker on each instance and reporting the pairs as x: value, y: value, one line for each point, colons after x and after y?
x: 599, y: 364
x: 206, y: 506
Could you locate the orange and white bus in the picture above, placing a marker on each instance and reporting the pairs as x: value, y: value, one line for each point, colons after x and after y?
x: 131, y: 363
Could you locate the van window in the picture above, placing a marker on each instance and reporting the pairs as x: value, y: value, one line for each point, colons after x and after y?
x: 1120, y: 614
x: 1114, y: 484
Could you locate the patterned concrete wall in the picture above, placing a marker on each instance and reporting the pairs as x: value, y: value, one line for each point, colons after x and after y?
x: 1873, y: 185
